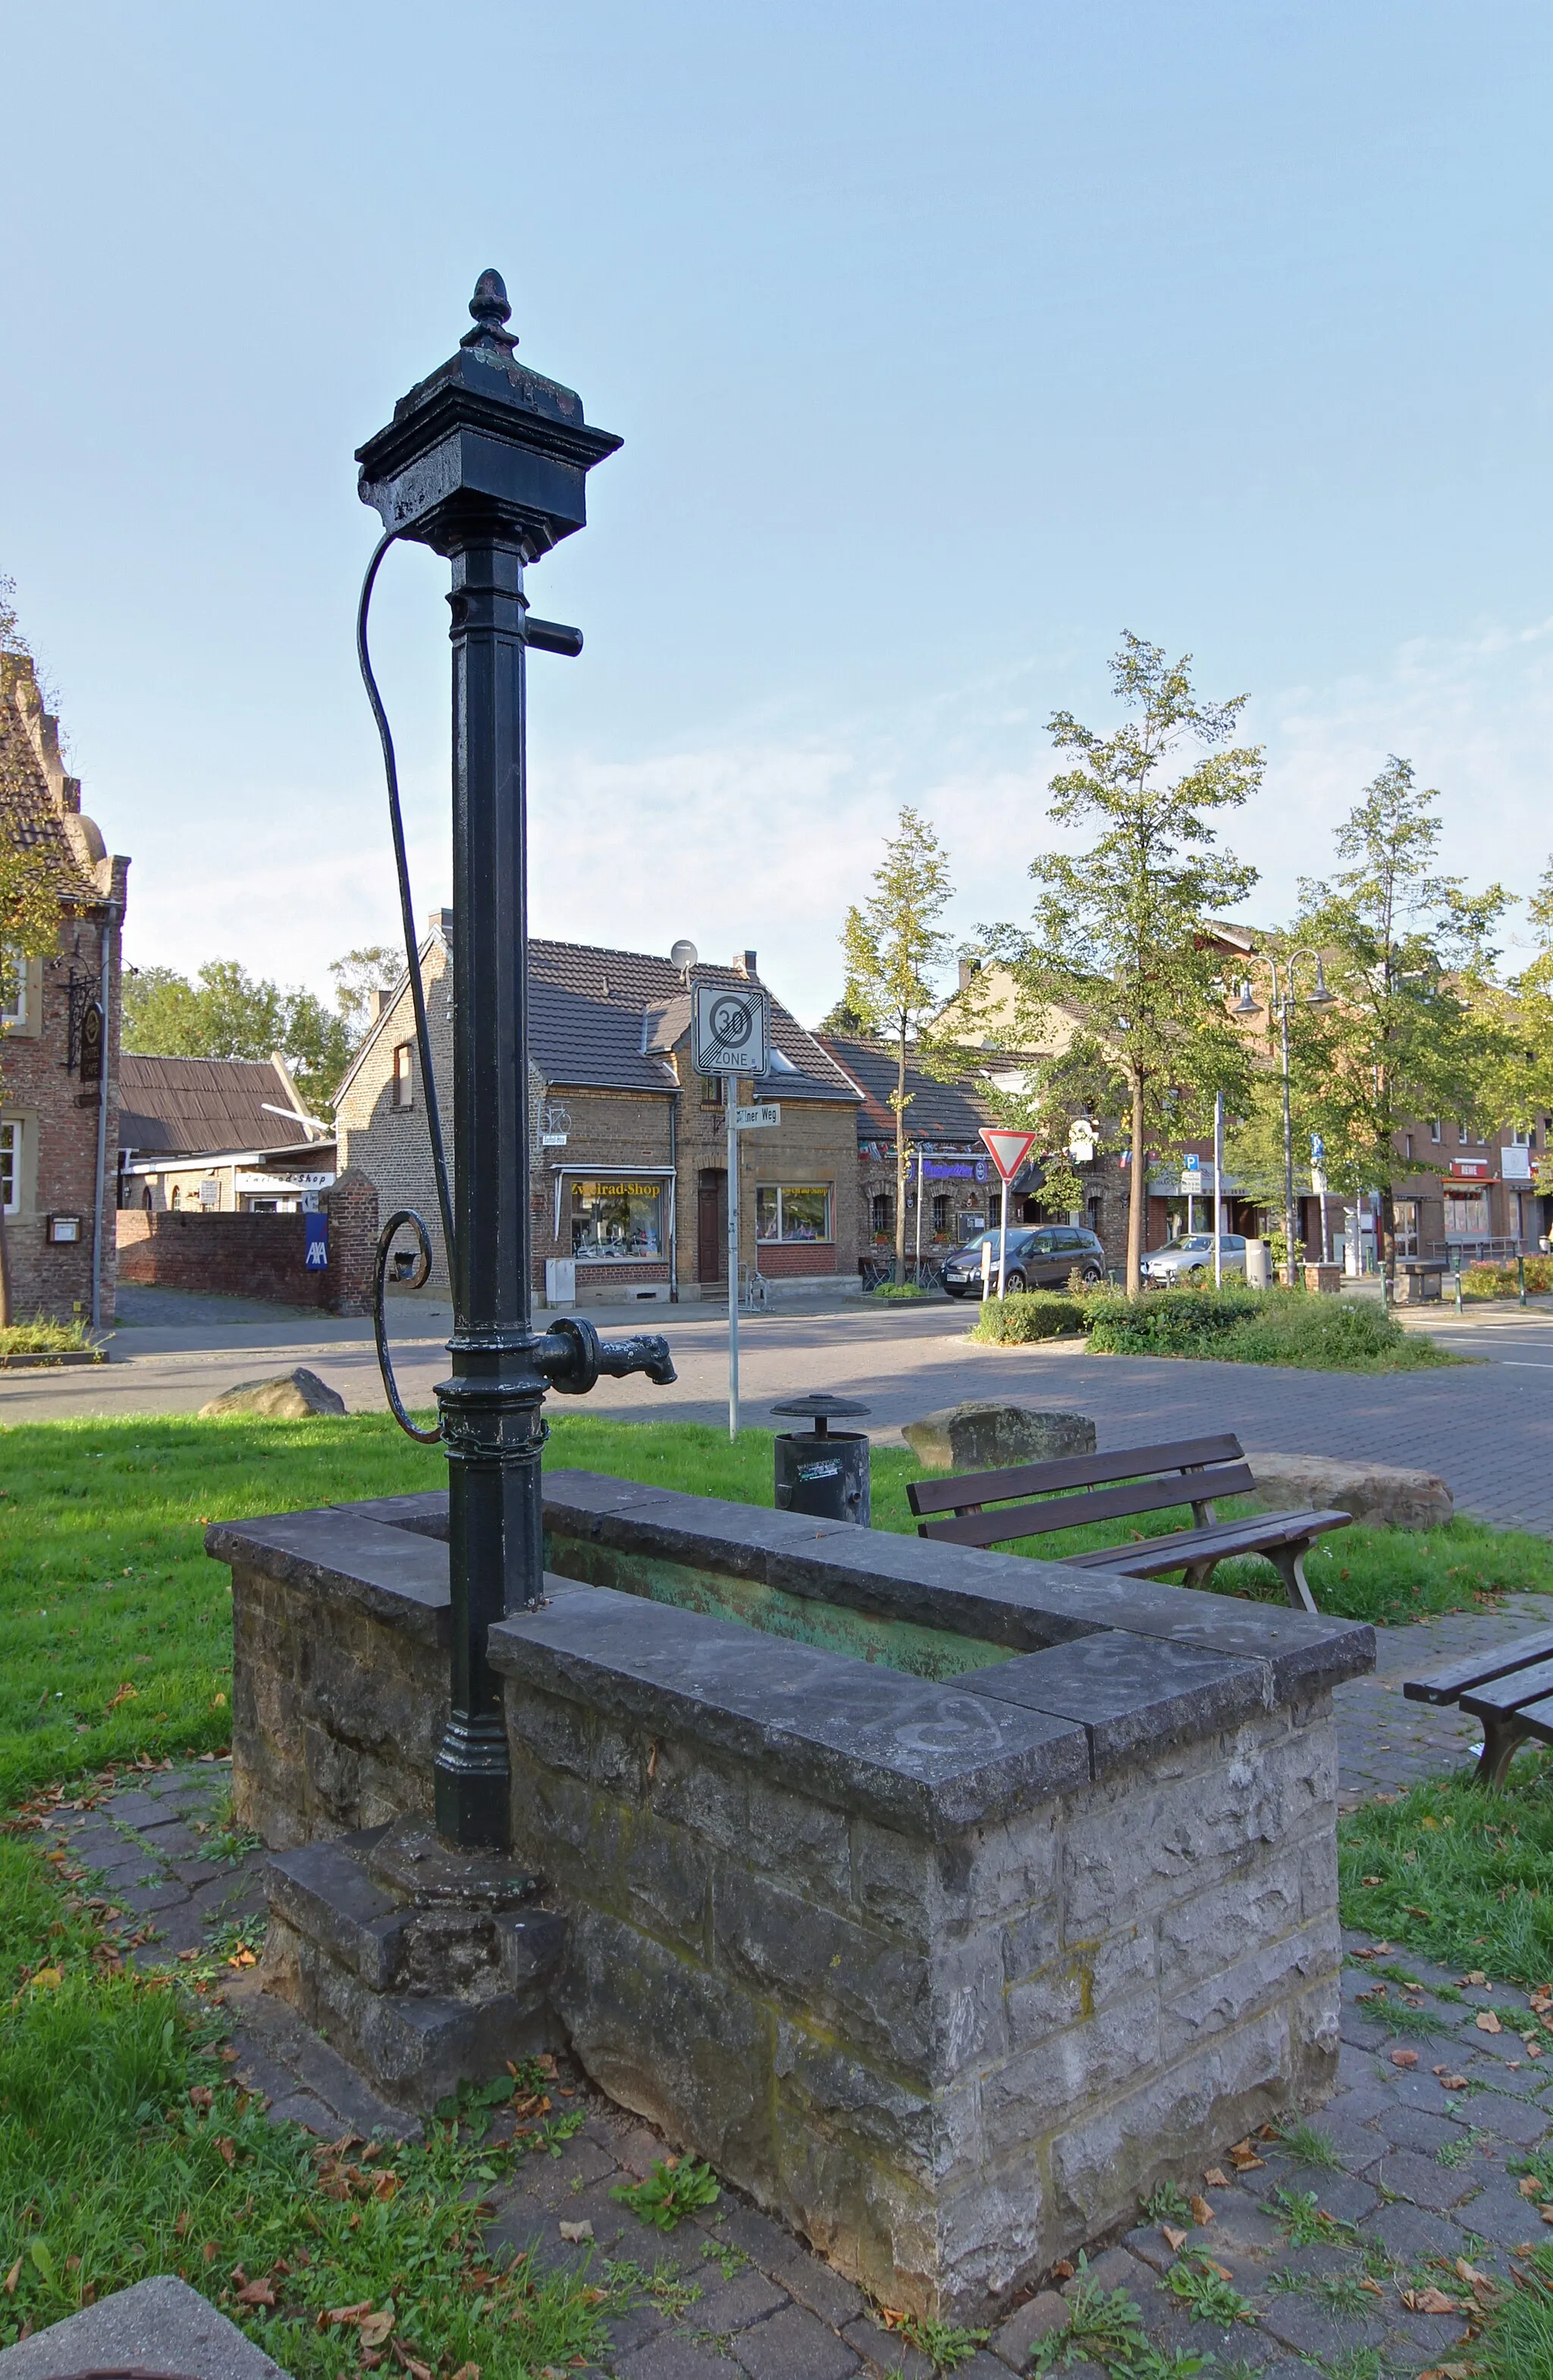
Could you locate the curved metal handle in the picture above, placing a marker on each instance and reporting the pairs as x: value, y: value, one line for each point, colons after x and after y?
x: 379, y: 1321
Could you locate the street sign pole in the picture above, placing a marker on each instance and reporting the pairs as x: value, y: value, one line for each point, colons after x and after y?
x: 731, y: 1094
x: 1218, y: 1189
x: 1008, y: 1151
x: 919, y: 1217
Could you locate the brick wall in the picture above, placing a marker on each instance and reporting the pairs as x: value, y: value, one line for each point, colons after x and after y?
x: 250, y: 1256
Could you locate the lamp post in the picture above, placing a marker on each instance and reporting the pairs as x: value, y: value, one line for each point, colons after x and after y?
x: 1283, y: 1006
x: 486, y: 462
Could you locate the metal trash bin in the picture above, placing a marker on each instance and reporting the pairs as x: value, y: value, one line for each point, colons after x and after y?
x: 823, y: 1472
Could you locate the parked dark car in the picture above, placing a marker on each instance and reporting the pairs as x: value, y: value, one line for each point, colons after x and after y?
x: 1040, y: 1256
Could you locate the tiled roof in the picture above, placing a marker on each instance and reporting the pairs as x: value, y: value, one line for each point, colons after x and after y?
x: 190, y: 1106
x: 952, y: 1112
x: 602, y: 1017
x: 40, y: 806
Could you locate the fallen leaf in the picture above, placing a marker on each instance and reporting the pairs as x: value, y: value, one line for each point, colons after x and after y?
x: 1174, y: 2240
x: 127, y: 1693
x: 1529, y: 2186
x: 1222, y: 2270
x: 1374, y: 2286
x: 47, y: 1979
x: 1546, y: 2213
x: 1453, y: 2082
x: 1061, y: 2270
x: 1469, y: 2272
x: 583, y: 2230
x: 1370, y: 1881
x: 375, y: 2327
x: 1429, y: 2302
x: 1201, y: 2211
x: 1215, y: 2180
x: 14, y: 2276
x: 257, y: 2293
x: 229, y: 2150
x: 1486, y: 2022
x: 385, y: 2185
x: 1534, y: 2049
x: 1404, y: 2058
x: 200, y: 2095
x: 467, y: 2372
x: 1245, y: 2160
x: 346, y: 2314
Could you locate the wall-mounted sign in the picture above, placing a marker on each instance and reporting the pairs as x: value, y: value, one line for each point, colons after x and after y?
x: 731, y: 1029
x: 315, y: 1255
x: 1515, y: 1164
x: 759, y: 1118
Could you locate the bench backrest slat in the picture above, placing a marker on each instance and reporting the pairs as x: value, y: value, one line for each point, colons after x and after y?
x: 1509, y: 1693
x: 1075, y: 1471
x: 1479, y: 1669
x: 1049, y: 1513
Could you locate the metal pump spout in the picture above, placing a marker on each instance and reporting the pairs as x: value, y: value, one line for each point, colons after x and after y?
x: 572, y: 1357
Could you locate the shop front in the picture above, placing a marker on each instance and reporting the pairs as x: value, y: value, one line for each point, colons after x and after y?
x: 617, y: 1231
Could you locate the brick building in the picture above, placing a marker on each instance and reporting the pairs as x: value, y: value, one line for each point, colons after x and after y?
x: 228, y: 1136
x: 60, y: 1051
x: 629, y: 1173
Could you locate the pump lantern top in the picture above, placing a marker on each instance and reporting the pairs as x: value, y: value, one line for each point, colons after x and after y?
x: 484, y: 442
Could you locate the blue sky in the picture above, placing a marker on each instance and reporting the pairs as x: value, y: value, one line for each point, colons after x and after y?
x: 945, y: 343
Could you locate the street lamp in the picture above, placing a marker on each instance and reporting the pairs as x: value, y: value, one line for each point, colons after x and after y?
x: 1283, y: 1004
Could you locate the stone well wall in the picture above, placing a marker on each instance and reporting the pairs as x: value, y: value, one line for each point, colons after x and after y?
x: 945, y: 1967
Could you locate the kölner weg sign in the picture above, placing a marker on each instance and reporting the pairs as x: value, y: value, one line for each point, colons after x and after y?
x: 731, y: 1029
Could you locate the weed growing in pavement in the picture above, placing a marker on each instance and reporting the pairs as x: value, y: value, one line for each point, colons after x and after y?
x: 730, y: 2260
x: 1198, y: 2284
x: 1166, y: 2203
x: 945, y: 2344
x: 662, y: 2288
x: 674, y: 2188
x: 1311, y: 2145
x: 1462, y: 2151
x: 1397, y: 2016
x: 1105, y: 2326
x: 1304, y: 2223
x: 1358, y: 2364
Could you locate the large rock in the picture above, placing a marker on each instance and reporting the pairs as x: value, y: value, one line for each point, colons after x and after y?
x: 984, y: 1435
x: 158, y: 2325
x: 290, y: 1396
x: 1376, y: 1493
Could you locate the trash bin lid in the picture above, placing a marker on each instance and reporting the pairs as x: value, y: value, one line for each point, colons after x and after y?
x: 821, y: 1408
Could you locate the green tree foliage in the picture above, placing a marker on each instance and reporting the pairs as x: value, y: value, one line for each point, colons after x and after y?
x: 1120, y: 936
x: 894, y: 945
x: 1414, y: 1029
x: 227, y: 1012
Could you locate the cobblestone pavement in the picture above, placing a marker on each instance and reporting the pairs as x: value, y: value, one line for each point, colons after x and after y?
x: 1407, y: 2184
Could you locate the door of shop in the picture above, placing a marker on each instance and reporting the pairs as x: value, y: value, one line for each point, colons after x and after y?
x: 711, y: 1226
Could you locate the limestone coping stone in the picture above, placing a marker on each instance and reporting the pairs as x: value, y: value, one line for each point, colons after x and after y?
x: 158, y: 2327
x: 394, y: 1574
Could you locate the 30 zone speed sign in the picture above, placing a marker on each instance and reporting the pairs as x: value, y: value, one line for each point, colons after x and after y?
x: 730, y: 1030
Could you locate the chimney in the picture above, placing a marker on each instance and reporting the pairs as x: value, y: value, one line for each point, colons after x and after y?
x: 382, y: 995
x: 440, y: 922
x: 744, y: 962
x: 969, y: 970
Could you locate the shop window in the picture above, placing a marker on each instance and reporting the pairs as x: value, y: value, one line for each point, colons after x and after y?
x: 1405, y: 1226
x: 404, y: 1074
x: 943, y: 1209
x: 10, y: 1168
x: 881, y: 1213
x: 795, y: 1211
x: 616, y: 1222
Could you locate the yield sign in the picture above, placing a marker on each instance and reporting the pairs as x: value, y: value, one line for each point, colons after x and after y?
x: 1008, y: 1151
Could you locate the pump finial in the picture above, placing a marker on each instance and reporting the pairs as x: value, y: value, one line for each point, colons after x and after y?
x: 492, y: 311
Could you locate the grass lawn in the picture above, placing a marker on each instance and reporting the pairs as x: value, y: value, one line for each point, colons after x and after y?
x: 115, y: 1625
x: 124, y: 2152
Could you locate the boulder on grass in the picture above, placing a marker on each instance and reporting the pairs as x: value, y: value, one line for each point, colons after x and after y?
x: 984, y: 1435
x: 158, y: 2325
x: 1377, y: 1494
x: 290, y: 1396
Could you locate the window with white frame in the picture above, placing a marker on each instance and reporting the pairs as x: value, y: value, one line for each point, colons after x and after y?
x: 1522, y: 1137
x: 795, y: 1211
x: 13, y: 990
x: 10, y: 1168
x: 1435, y: 1130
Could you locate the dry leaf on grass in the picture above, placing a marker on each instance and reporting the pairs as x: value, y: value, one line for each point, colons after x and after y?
x: 1222, y: 2270
x: 375, y: 2327
x: 257, y: 2293
x: 1201, y: 2211
x: 1174, y: 2240
x: 346, y: 2314
x: 1486, y: 2022
x: 1529, y: 2186
x: 1429, y: 2300
x: 14, y: 2276
x: 1374, y: 2286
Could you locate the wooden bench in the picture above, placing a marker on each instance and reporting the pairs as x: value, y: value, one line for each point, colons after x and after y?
x: 1510, y: 1691
x: 1039, y: 1498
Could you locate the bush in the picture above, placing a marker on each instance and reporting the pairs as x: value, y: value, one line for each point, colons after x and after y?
x: 1031, y: 1314
x: 897, y: 1291
x: 1248, y: 1325
x: 1500, y: 1279
x: 42, y: 1337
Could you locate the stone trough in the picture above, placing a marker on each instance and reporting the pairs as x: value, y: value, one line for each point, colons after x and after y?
x: 946, y: 1900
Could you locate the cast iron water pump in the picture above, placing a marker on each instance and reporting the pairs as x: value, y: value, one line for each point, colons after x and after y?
x: 486, y: 462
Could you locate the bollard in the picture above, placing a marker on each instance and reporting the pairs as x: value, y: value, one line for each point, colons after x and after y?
x: 1520, y: 1277
x: 820, y: 1472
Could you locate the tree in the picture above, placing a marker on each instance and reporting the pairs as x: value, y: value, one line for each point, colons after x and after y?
x: 842, y: 1019
x: 1412, y: 1029
x: 227, y: 1012
x: 1122, y: 936
x: 892, y: 946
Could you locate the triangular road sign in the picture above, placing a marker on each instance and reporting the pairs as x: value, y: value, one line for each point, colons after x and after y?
x: 1008, y: 1151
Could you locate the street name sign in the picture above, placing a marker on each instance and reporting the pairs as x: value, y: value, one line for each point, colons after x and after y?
x: 730, y: 1029
x: 759, y: 1118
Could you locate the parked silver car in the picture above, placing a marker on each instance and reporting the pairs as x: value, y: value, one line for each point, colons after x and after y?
x: 1040, y: 1256
x: 1192, y: 1252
